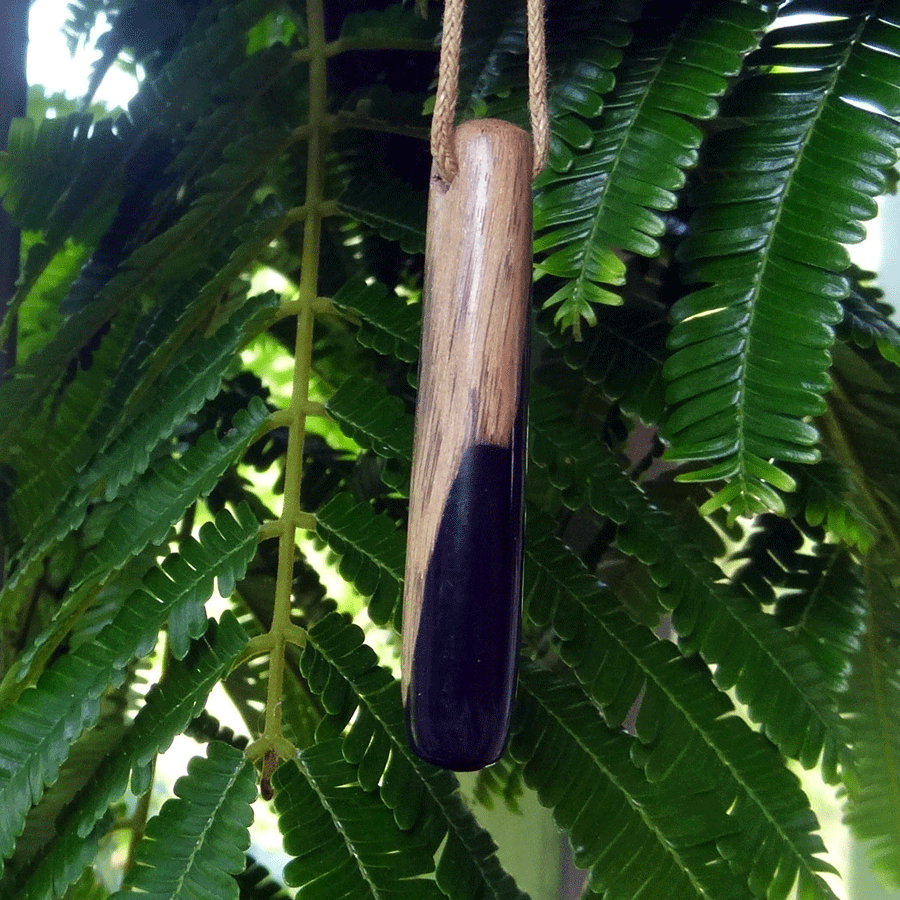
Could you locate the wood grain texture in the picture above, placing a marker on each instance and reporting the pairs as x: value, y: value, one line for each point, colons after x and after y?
x: 464, y: 546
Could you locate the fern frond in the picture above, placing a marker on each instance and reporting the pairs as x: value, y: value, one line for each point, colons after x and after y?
x: 494, y: 43
x: 502, y: 781
x: 324, y: 814
x: 224, y: 549
x: 859, y: 426
x: 194, y: 378
x: 38, y: 729
x: 389, y: 325
x: 202, y: 252
x: 63, y: 177
x: 770, y: 672
x: 817, y: 592
x: 611, y: 197
x: 622, y: 354
x: 628, y: 831
x: 59, y: 432
x: 80, y: 852
x: 196, y: 844
x: 686, y: 727
x: 830, y: 498
x: 165, y: 492
x: 371, y: 551
x: 868, y: 320
x: 584, y: 49
x: 151, y: 732
x: 375, y: 204
x: 235, y: 80
x: 257, y: 883
x: 378, y: 421
x: 345, y: 673
x: 794, y: 179
x: 42, y: 829
x: 583, y: 57
x: 872, y: 704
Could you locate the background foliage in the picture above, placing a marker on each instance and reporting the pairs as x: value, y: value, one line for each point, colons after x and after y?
x: 713, y: 530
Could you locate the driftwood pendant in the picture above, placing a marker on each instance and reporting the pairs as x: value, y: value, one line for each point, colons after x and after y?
x: 462, y: 596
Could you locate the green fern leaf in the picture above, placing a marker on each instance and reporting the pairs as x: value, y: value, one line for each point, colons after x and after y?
x: 165, y: 492
x: 623, y: 354
x: 371, y: 548
x: 830, y: 498
x: 686, y: 727
x: 613, y: 193
x: 502, y: 781
x: 767, y: 320
x: 726, y: 627
x: 218, y: 100
x: 161, y: 718
x: 859, y: 426
x: 62, y: 176
x: 59, y: 433
x: 583, y: 50
x: 817, y: 592
x: 324, y: 814
x: 378, y: 421
x: 627, y: 830
x: 345, y: 673
x: 80, y: 853
x: 223, y: 551
x: 581, y: 62
x: 195, y: 845
x: 50, y: 280
x: 151, y: 732
x: 38, y: 729
x: 375, y: 203
x: 872, y: 704
x: 192, y: 380
x: 867, y: 318
x: 23, y: 396
x: 389, y: 325
x: 494, y: 43
x: 257, y: 883
x: 203, y: 245
x: 42, y: 825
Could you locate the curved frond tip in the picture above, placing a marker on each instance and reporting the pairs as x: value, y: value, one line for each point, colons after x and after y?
x: 809, y: 139
x: 609, y: 200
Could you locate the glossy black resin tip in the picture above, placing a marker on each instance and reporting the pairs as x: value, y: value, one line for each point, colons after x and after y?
x: 464, y: 663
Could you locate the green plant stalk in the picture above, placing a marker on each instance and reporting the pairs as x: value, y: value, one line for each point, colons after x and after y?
x: 283, y: 631
x: 881, y: 703
x: 137, y: 824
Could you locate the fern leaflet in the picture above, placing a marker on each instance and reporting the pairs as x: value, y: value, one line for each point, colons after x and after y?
x: 195, y: 845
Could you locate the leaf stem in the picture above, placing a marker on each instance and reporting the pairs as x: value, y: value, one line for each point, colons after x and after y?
x: 283, y: 631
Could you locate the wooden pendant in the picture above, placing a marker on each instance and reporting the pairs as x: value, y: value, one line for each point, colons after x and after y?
x: 462, y: 596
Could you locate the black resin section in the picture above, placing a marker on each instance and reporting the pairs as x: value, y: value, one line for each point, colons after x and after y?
x: 463, y: 674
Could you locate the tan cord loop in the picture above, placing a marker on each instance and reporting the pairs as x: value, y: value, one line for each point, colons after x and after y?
x: 537, y: 85
x: 443, y: 148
